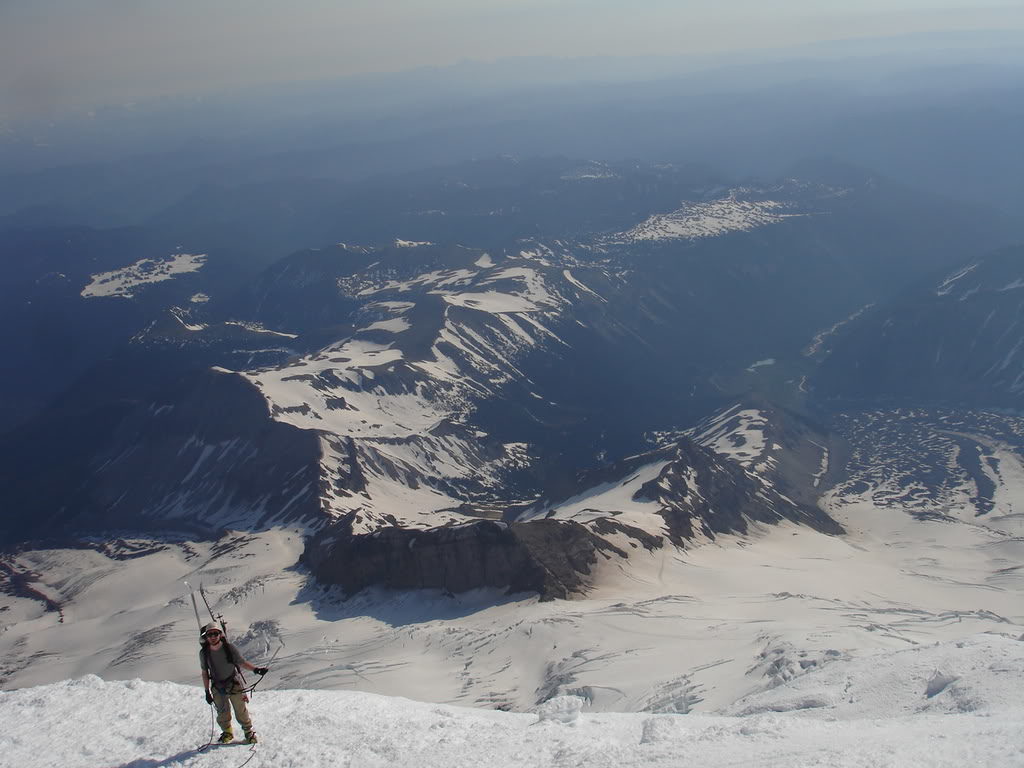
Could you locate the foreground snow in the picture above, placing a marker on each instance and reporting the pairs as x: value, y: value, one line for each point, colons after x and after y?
x: 950, y: 704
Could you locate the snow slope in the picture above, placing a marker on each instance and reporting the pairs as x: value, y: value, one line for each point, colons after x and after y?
x: 889, y: 712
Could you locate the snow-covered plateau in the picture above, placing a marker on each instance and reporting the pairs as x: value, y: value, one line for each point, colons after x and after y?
x: 125, y: 281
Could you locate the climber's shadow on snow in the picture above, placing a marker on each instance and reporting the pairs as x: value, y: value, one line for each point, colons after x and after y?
x: 149, y: 762
x: 177, y: 759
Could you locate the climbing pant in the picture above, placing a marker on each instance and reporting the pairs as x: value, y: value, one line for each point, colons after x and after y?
x: 235, y: 699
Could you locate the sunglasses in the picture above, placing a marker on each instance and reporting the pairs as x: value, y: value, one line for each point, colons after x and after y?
x: 212, y: 634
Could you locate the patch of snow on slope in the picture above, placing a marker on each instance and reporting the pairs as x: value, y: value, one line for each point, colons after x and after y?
x: 397, y: 307
x: 567, y: 274
x: 409, y: 482
x: 257, y: 328
x: 818, y: 342
x: 529, y: 284
x: 823, y: 466
x: 123, y: 282
x: 540, y: 253
x: 338, y: 390
x: 737, y: 434
x: 394, y: 325
x: 491, y: 301
x: 592, y: 171
x: 950, y: 282
x: 177, y: 313
x: 437, y: 279
x: 388, y: 497
x: 614, y: 498
x: 707, y: 219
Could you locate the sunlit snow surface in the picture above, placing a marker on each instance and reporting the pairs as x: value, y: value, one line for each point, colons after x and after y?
x: 126, y: 281
x: 947, y: 705
x: 613, y: 498
x: 708, y: 219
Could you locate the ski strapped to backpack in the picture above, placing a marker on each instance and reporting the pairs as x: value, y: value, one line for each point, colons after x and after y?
x: 195, y: 608
x: 199, y: 622
x: 227, y: 647
x: 219, y: 619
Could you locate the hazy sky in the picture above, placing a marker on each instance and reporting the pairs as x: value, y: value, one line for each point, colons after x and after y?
x: 59, y: 52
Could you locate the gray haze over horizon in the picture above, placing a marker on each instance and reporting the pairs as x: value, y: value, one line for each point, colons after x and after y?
x: 57, y: 54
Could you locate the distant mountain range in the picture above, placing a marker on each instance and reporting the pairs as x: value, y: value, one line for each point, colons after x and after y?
x: 622, y: 368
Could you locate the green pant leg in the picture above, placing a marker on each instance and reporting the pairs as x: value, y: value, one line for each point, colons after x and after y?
x: 241, y: 710
x: 222, y: 704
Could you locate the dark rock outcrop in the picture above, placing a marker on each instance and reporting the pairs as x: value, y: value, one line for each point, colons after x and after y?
x: 550, y: 557
x: 697, y: 490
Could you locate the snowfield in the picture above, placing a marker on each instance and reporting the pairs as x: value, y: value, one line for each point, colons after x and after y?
x: 125, y: 282
x: 694, y: 221
x: 953, y: 705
